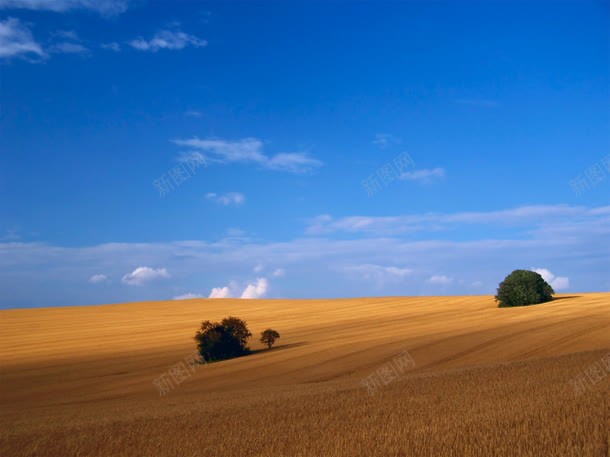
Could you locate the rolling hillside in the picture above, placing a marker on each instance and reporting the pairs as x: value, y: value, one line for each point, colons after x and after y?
x: 480, y: 381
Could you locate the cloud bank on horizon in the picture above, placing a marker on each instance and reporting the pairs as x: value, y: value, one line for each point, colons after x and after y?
x: 573, y: 248
x: 195, y: 157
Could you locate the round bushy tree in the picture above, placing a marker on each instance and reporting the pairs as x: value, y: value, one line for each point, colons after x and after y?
x: 523, y: 288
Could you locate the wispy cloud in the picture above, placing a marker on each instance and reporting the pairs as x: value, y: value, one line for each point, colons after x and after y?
x: 250, y: 150
x: 294, y: 162
x: 378, y: 273
x: 112, y: 46
x: 97, y: 278
x: 193, y: 113
x: 67, y: 34
x: 16, y: 40
x: 192, y: 158
x: 555, y: 218
x: 440, y: 280
x: 167, y: 39
x: 245, y: 150
x: 11, y: 234
x: 187, y: 296
x: 384, y: 140
x: 278, y: 272
x: 230, y: 198
x: 143, y: 275
x: 235, y: 233
x: 424, y: 175
x: 69, y: 43
x: 67, y: 47
x: 106, y: 7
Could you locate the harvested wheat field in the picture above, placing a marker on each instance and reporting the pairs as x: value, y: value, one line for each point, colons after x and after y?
x: 455, y: 376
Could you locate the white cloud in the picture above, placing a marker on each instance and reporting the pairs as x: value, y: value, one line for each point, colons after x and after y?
x: 112, y: 46
x: 230, y: 198
x: 256, y: 290
x: 440, y: 280
x: 108, y: 7
x: 250, y: 150
x: 278, y: 272
x: 424, y: 175
x: 16, y: 40
x: 556, y: 282
x: 142, y: 275
x: 167, y: 39
x: 187, y: 296
x: 258, y: 268
x: 97, y: 278
x: 193, y: 113
x: 294, y: 162
x: 385, y: 139
x: 220, y: 292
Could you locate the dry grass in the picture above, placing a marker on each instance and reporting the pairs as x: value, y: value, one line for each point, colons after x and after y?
x: 487, y: 381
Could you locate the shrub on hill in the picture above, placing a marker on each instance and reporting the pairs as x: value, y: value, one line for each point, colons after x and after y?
x: 523, y: 288
x: 269, y: 336
x: 224, y: 340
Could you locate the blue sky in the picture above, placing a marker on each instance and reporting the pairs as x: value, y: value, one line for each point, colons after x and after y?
x: 153, y: 150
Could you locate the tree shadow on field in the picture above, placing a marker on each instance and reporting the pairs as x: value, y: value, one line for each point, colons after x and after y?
x: 565, y: 298
x: 258, y: 351
x: 278, y: 348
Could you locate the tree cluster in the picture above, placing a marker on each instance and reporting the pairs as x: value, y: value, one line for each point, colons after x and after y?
x: 228, y: 339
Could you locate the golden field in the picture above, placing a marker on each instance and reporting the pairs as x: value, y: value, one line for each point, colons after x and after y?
x: 78, y: 381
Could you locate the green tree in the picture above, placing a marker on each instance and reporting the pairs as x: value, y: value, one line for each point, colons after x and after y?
x: 269, y: 336
x: 238, y: 328
x: 224, y: 340
x: 523, y: 288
